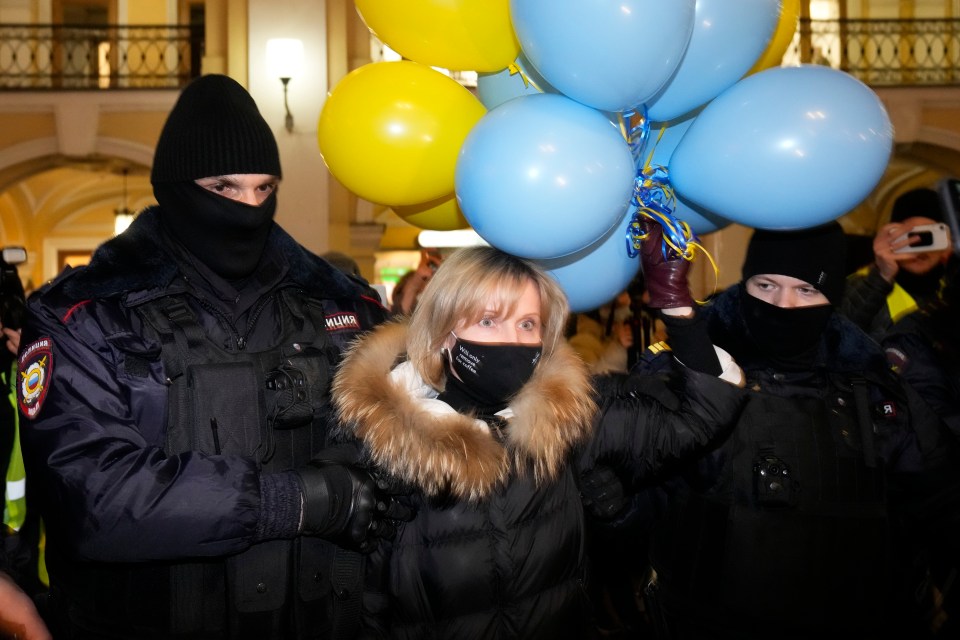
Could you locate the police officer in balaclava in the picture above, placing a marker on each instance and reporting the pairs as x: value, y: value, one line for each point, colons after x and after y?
x: 175, y: 400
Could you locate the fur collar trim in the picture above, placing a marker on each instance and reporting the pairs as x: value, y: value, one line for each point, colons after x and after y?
x: 444, y: 452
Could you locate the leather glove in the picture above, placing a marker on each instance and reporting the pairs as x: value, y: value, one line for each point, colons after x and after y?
x: 602, y: 493
x: 344, y: 504
x: 665, y: 278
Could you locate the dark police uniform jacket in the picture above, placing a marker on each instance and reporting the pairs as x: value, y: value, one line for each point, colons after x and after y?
x: 807, y: 518
x: 156, y: 411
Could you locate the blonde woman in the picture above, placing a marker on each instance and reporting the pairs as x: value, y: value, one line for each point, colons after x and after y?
x: 478, y: 404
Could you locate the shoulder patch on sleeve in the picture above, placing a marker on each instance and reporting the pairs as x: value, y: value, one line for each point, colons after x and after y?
x: 897, y: 359
x: 343, y: 321
x: 34, y: 369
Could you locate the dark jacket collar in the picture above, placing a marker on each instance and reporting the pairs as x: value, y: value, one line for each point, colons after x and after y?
x: 141, y: 259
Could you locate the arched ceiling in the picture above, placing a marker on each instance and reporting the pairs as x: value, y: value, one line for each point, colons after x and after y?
x: 72, y: 199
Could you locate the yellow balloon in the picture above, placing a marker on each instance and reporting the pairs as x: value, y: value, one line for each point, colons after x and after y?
x: 390, y: 132
x: 442, y: 214
x: 782, y: 37
x: 458, y: 35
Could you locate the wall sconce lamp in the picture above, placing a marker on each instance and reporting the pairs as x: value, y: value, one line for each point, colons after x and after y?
x: 123, y: 216
x: 284, y: 61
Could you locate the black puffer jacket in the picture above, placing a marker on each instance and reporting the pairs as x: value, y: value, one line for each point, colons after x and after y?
x: 496, y: 549
x: 865, y: 301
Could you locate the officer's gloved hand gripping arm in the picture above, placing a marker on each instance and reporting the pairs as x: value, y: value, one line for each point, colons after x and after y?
x: 347, y: 505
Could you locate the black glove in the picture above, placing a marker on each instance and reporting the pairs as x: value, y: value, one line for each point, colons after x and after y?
x: 602, y: 493
x: 344, y: 504
x: 665, y: 278
x: 390, y: 511
x: 690, y: 342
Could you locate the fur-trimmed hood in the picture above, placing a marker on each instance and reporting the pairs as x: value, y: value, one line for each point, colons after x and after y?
x: 424, y: 442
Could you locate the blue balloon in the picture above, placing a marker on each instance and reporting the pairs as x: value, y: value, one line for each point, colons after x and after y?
x: 786, y: 148
x: 543, y: 176
x: 701, y: 220
x: 728, y: 37
x: 662, y: 140
x: 595, y: 275
x: 494, y: 89
x: 612, y: 55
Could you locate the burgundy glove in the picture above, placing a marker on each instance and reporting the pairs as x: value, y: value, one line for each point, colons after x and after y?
x: 666, y: 279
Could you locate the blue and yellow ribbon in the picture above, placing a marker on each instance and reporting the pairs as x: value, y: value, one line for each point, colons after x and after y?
x: 635, y: 129
x: 655, y: 199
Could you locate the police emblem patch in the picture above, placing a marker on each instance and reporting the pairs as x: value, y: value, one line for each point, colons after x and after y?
x: 33, y: 377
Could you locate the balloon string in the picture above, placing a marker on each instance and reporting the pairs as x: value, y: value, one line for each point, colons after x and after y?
x: 649, y: 161
x: 515, y: 69
x: 635, y: 128
x: 655, y: 200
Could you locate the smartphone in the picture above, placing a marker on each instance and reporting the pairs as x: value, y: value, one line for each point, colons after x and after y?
x: 925, y: 237
x: 949, y: 192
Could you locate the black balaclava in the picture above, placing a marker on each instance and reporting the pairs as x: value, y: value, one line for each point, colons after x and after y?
x: 816, y: 256
x: 215, y: 129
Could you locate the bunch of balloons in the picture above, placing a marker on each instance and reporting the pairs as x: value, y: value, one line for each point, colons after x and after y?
x: 584, y: 108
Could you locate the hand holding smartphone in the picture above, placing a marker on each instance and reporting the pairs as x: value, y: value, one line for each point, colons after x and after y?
x: 925, y: 237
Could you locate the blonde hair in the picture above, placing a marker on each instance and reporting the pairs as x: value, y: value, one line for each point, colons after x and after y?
x: 462, y: 289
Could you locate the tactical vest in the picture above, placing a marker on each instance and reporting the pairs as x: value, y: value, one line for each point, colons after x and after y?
x: 795, y: 529
x: 273, y: 406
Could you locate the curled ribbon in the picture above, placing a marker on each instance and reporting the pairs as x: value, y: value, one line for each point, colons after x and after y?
x: 655, y: 199
x: 635, y: 128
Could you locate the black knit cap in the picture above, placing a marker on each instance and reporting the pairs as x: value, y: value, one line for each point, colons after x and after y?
x: 917, y: 202
x: 214, y: 129
x: 816, y: 255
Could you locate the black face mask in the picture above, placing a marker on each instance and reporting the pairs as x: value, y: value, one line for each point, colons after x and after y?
x: 491, y: 374
x: 784, y: 334
x: 226, y: 235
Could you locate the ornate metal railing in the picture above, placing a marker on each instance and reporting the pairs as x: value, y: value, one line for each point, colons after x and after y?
x: 878, y: 52
x: 75, y: 57
x: 883, y: 52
